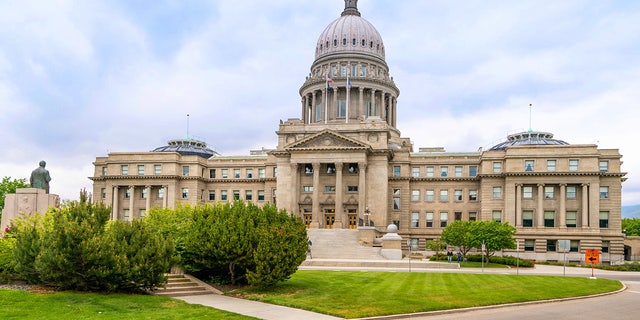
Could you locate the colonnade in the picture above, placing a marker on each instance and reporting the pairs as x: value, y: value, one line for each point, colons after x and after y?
x: 132, y: 189
x: 588, y: 215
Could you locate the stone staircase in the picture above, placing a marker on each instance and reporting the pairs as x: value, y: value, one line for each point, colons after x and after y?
x: 179, y: 285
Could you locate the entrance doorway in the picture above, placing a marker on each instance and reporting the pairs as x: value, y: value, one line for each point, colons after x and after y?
x: 307, y: 219
x: 329, y: 220
x: 353, y: 221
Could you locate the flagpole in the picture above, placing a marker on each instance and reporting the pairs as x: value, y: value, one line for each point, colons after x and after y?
x: 326, y: 99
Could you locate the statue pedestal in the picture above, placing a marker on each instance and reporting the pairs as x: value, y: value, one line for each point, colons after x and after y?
x: 26, y: 201
x: 392, y: 244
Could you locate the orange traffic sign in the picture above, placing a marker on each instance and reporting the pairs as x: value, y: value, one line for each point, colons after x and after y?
x: 592, y: 256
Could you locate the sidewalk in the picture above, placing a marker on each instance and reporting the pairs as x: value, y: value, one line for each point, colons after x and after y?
x: 255, y: 309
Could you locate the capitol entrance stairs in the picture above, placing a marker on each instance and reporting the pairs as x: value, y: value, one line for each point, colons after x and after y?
x: 340, y: 248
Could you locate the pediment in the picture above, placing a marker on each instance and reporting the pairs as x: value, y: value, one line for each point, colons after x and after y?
x: 327, y: 140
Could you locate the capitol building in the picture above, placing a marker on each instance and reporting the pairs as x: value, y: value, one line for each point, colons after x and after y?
x: 343, y: 164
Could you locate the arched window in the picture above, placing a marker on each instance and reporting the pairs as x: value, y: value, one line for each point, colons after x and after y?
x: 327, y: 45
x: 371, y: 44
x: 364, y: 43
x: 378, y: 47
x: 353, y: 42
x: 344, y: 41
x: 335, y: 42
x: 320, y: 46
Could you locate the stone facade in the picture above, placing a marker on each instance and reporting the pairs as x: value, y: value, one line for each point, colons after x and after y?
x: 344, y: 164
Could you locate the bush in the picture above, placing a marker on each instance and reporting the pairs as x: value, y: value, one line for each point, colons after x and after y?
x: 7, y: 264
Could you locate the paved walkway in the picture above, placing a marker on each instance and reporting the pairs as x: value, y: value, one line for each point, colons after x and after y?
x: 267, y: 311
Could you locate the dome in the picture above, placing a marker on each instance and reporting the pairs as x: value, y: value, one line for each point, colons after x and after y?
x: 350, y: 33
x: 187, y: 147
x: 528, y: 138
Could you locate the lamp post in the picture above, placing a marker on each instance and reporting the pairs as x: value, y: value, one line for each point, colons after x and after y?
x: 367, y: 213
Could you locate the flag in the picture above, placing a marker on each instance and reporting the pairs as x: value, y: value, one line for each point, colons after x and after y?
x: 348, y: 82
x: 329, y: 82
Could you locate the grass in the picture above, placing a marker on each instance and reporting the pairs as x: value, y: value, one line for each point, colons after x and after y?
x: 366, y: 294
x: 18, y: 304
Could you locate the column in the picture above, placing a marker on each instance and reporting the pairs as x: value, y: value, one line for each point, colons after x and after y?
x: 361, y: 101
x: 324, y: 104
x: 339, y: 192
x: 383, y: 110
x: 295, y: 181
x: 317, y: 216
x: 362, y: 191
x: 148, y: 204
x: 562, y: 215
x: 585, y: 205
x: 314, y: 103
x: 165, y: 196
x: 540, y: 209
x: 395, y: 111
x: 132, y: 190
x: 594, y: 204
x: 334, y: 108
x: 373, y: 101
x: 518, y: 205
x: 114, y: 212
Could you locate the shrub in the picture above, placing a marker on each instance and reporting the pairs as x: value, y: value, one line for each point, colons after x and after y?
x: 7, y: 264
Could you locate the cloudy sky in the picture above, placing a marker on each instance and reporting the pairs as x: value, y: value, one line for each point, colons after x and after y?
x: 80, y: 79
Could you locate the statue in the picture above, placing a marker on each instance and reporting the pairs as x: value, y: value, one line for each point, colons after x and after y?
x: 40, y: 177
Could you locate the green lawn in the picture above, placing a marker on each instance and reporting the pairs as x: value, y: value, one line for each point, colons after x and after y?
x: 365, y: 294
x: 17, y: 304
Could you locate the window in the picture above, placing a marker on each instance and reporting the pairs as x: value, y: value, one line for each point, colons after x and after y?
x: 126, y: 214
x: 497, y: 192
x: 415, y: 219
x: 604, y: 219
x: 157, y: 169
x: 548, y: 192
x: 185, y: 170
x: 429, y: 196
x: 473, y: 171
x: 161, y: 193
x: 549, y: 219
x: 574, y: 246
x: 457, y: 171
x: 457, y: 195
x: 236, y: 195
x: 275, y: 172
x: 444, y: 195
x: 224, y: 173
x: 343, y: 69
x: 248, y: 195
x: 529, y: 244
x: 352, y: 188
x: 308, y: 168
x: 429, y: 216
x: 124, y: 169
x: 141, y: 169
x: 185, y: 193
x: 212, y: 195
x: 143, y: 193
x: 342, y: 108
x: 473, y: 216
x: 573, y: 165
x: 457, y: 216
x: 415, y: 172
x: 473, y: 195
x: 529, y: 165
x: 319, y: 111
x: 572, y: 219
x: 396, y: 199
x: 104, y: 171
x: 331, y: 168
x: 363, y: 71
x: 605, y: 246
x: 497, y: 167
x: 127, y: 193
x: 249, y: 173
x: 260, y: 195
x: 415, y: 195
x: 353, y: 168
x: 212, y: 173
x: 527, y: 192
x: 262, y: 173
x: 604, y: 167
x: 223, y: 195
x: 496, y: 215
x: 430, y: 172
x: 236, y: 173
x: 604, y: 192
x: 444, y: 171
x: 142, y: 213
x: 551, y: 165
x: 396, y: 171
x: 103, y: 193
x: 329, y: 188
x: 443, y: 219
x: 551, y: 245
x: 527, y: 218
x: 571, y: 192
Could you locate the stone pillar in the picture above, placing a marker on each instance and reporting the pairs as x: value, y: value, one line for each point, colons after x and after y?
x: 114, y: 211
x: 165, y: 196
x: 594, y: 204
x: 361, y: 101
x: 392, y: 244
x: 383, y: 108
x: 339, y: 192
x: 373, y: 102
x: 585, y: 205
x: 518, y: 205
x: 362, y: 190
x: 395, y: 111
x: 324, y: 104
x: 334, y: 108
x: 562, y: 216
x: 540, y: 209
x: 317, y: 215
x: 303, y: 102
x: 295, y: 182
x: 314, y: 102
x: 148, y: 204
x: 132, y: 190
